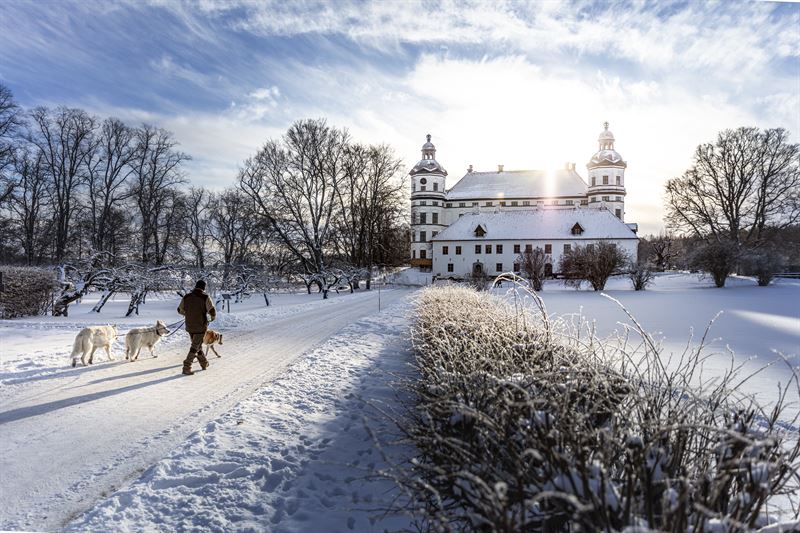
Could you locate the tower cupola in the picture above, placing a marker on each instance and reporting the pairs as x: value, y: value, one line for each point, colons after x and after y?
x: 607, y: 176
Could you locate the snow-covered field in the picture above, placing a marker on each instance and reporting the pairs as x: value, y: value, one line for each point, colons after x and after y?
x: 272, y: 436
x: 755, y: 324
x: 73, y: 435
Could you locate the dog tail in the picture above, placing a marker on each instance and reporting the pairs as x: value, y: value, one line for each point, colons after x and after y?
x: 81, y: 345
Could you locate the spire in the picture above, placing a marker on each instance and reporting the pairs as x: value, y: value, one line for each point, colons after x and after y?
x: 428, y: 149
x: 606, y: 138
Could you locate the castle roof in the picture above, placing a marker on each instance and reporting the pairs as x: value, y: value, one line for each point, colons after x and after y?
x: 537, y: 224
x: 518, y: 184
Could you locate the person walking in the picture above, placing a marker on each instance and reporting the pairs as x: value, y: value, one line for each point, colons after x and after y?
x: 197, y: 307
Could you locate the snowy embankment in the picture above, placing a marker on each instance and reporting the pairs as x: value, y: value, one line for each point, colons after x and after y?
x: 295, y: 456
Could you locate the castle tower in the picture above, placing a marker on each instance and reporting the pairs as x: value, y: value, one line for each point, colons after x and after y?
x: 427, y: 204
x: 607, y: 176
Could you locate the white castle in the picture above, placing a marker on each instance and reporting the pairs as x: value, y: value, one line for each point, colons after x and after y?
x: 487, y: 219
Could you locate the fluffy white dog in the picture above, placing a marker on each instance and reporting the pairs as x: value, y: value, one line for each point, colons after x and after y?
x: 139, y: 338
x: 90, y: 339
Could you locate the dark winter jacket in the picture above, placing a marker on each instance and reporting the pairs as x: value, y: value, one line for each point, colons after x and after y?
x: 197, y: 307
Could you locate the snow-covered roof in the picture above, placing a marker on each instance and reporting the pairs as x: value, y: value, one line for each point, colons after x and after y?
x: 547, y: 223
x: 518, y: 184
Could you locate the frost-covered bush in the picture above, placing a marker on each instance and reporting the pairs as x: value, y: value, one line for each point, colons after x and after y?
x: 521, y: 424
x: 763, y: 264
x: 716, y: 258
x: 594, y: 263
x: 641, y: 275
x: 27, y: 291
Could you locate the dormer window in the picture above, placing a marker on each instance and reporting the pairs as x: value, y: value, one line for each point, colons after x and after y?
x: 577, y: 229
x: 479, y: 231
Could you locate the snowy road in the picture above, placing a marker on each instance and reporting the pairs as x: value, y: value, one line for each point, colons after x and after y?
x: 73, y: 436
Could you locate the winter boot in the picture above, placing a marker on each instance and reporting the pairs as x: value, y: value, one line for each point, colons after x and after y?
x: 204, y: 364
x: 187, y: 371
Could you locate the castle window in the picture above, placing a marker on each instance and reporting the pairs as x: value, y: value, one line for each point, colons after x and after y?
x: 488, y: 248
x: 554, y: 202
x: 618, y: 212
x: 514, y: 203
x: 516, y: 248
x: 422, y: 254
x: 594, y: 181
x: 423, y: 202
x: 548, y: 248
x: 570, y: 202
x: 422, y: 188
x: 498, y: 267
x: 445, y: 250
x: 577, y: 229
x: 526, y: 202
x: 449, y: 267
x: 436, y: 203
x: 423, y: 181
x: 488, y: 204
x: 502, y: 204
x: 435, y: 217
x: 594, y: 199
x: 567, y: 248
x: 516, y: 267
x: 413, y: 187
x: 605, y: 180
x: 434, y: 234
x: 458, y: 250
x: 498, y: 249
x: 423, y: 218
x: 462, y: 204
x: 619, y: 198
x: 423, y: 236
x: 619, y: 180
x: 606, y: 198
x: 479, y: 231
x: 435, y: 186
x: 474, y: 204
x: 584, y: 202
x: 528, y: 248
x: 477, y: 248
x: 413, y: 254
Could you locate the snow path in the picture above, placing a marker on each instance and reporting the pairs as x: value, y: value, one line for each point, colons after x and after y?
x: 294, y: 456
x: 73, y: 436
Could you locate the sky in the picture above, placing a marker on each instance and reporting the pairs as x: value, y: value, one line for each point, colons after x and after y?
x: 523, y: 84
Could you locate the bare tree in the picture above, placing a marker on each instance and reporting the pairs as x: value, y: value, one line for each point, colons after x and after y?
x: 594, y: 263
x: 108, y: 170
x: 65, y: 138
x: 156, y: 173
x: 738, y: 188
x: 293, y: 183
x: 198, y: 223
x: 532, y: 264
x: 234, y: 226
x: 28, y: 203
x: 10, y: 122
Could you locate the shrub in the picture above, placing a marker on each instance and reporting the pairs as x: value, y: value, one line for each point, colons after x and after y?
x: 594, y: 263
x: 27, y: 291
x: 532, y: 264
x: 524, y: 425
x: 763, y: 264
x: 641, y: 275
x: 716, y: 258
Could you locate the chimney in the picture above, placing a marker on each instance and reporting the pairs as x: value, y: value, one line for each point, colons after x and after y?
x: 469, y: 170
x: 499, y: 168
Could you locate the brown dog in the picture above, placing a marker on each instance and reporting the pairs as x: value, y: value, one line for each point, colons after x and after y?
x: 210, y: 339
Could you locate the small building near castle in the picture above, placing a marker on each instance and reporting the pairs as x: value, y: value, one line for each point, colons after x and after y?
x: 483, y: 223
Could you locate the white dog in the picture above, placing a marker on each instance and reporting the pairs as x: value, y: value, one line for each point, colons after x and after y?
x: 90, y: 339
x: 139, y: 338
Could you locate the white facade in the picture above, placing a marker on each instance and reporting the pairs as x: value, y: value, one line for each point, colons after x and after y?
x: 491, y: 243
x: 434, y: 208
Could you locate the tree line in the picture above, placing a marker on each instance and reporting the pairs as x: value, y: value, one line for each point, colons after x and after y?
x: 73, y: 186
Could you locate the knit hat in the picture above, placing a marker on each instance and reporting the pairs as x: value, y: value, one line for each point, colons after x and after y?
x: 201, y: 284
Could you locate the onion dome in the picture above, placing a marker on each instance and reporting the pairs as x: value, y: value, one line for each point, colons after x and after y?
x: 428, y: 163
x: 606, y: 156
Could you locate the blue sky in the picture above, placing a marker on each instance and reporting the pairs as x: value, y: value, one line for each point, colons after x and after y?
x: 526, y: 85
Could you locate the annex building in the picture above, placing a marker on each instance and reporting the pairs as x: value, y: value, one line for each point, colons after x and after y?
x: 487, y: 219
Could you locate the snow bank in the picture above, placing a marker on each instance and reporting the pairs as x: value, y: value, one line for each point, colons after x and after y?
x: 296, y: 456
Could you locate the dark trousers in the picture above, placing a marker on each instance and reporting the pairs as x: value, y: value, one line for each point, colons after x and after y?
x: 196, y: 350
